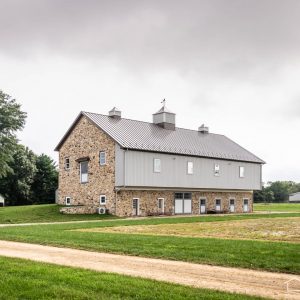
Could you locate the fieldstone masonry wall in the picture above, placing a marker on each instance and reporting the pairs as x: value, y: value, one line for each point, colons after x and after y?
x: 87, y: 140
x: 148, y: 201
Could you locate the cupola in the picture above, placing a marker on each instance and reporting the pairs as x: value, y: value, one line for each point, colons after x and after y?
x: 164, y: 118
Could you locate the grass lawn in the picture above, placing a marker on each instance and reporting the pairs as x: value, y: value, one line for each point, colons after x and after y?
x: 264, y: 255
x: 22, y: 279
x: 277, y: 207
x: 40, y: 213
x: 283, y: 229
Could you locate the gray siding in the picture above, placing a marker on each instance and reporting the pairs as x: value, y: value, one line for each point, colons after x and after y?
x: 139, y: 172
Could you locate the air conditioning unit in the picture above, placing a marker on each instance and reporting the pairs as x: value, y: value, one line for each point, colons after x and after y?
x: 101, y: 210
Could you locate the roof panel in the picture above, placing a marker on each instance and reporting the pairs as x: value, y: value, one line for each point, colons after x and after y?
x: 150, y: 137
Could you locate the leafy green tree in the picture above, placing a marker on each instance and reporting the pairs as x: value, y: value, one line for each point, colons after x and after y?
x: 12, y: 119
x: 45, y: 180
x: 16, y: 186
x: 277, y: 191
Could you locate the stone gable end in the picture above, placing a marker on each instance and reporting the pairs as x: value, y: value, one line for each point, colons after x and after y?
x: 87, y: 140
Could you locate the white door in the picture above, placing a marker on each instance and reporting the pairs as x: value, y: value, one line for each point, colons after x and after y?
x: 218, y: 205
x: 232, y: 208
x: 178, y: 206
x: 187, y: 206
x: 202, y: 206
x: 161, y: 205
x: 246, y: 205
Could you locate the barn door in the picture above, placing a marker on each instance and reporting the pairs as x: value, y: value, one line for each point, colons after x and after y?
x: 202, y: 206
x: 218, y: 205
x: 246, y: 205
x: 231, y: 206
x: 135, y: 206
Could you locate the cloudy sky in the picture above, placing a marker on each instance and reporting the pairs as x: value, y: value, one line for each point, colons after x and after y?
x: 231, y: 64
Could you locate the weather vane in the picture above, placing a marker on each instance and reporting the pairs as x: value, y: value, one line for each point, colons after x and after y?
x: 164, y: 102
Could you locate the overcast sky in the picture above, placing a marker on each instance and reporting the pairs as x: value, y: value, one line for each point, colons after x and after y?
x: 231, y: 64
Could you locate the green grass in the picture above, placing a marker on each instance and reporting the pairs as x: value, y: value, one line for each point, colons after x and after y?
x: 277, y: 207
x: 22, y: 279
x: 40, y: 213
x: 271, y: 256
x: 50, y: 213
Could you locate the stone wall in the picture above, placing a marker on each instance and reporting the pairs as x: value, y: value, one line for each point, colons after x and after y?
x: 87, y: 140
x: 148, y: 201
x: 78, y: 210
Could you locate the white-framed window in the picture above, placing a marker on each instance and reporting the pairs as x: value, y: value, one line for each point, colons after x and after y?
x: 68, y: 200
x: 157, y: 165
x: 84, y: 167
x: 217, y: 170
x: 102, y: 158
x: 242, y: 171
x: 190, y: 167
x: 161, y: 204
x: 67, y: 163
x: 102, y: 199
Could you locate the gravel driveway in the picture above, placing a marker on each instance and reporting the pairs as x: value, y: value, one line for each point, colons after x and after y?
x: 265, y: 284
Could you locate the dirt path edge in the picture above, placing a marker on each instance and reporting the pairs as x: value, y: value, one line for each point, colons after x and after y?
x: 234, y: 280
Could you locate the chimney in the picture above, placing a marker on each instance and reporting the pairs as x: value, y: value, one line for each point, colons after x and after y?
x: 164, y: 118
x: 115, y: 113
x: 203, y: 129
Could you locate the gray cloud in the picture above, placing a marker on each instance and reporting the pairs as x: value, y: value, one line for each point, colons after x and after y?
x: 231, y: 38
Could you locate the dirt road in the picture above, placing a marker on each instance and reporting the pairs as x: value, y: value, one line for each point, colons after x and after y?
x: 265, y: 284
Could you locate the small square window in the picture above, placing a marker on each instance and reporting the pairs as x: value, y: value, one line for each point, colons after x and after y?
x: 242, y: 172
x: 217, y: 170
x: 68, y: 200
x: 102, y: 199
x: 190, y: 167
x: 67, y: 163
x: 157, y: 165
x: 102, y: 158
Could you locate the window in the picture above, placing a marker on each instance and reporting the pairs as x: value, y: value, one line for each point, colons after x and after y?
x: 157, y: 165
x: 84, y: 171
x: 242, y: 172
x: 68, y: 200
x: 67, y: 163
x: 190, y: 167
x: 102, y: 158
x: 102, y: 199
x: 217, y: 170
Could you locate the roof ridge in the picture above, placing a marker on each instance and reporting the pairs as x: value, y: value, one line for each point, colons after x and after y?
x: 194, y: 130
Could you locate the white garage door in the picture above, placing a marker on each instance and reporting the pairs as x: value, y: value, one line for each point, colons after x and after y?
x: 183, y: 203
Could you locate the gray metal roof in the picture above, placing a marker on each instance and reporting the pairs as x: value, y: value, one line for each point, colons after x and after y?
x: 146, y: 136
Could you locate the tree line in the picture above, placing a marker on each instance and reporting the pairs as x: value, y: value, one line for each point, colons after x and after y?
x: 277, y: 191
x: 25, y: 177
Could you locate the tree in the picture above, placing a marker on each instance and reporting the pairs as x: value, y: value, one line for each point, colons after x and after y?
x: 16, y: 186
x: 45, y: 180
x: 12, y: 119
x: 277, y: 191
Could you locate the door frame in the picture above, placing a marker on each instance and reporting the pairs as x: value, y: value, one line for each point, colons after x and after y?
x: 202, y: 198
x: 183, y: 199
x: 220, y: 204
x: 244, y: 205
x: 234, y: 201
x: 137, y: 206
x: 163, y: 205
